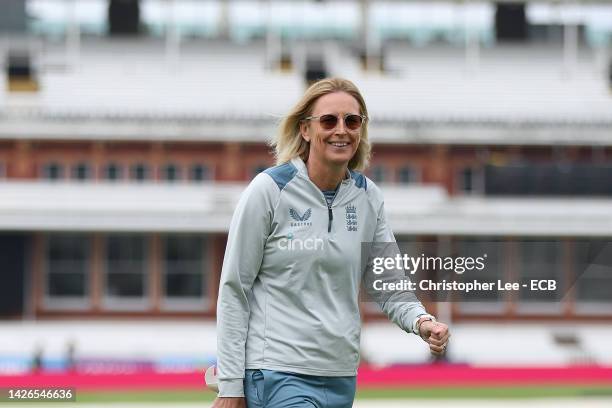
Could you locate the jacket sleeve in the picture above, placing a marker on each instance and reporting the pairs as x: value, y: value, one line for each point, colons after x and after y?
x: 248, y: 232
x: 401, y: 307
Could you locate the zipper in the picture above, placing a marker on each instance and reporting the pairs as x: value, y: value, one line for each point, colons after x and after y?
x: 330, y: 213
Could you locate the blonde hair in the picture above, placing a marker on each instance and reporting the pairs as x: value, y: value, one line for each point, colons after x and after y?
x: 289, y: 143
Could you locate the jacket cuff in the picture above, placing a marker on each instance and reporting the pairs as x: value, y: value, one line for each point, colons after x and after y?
x: 415, y: 323
x: 231, y: 388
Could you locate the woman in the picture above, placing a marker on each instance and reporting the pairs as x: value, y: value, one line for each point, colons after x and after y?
x: 288, y: 315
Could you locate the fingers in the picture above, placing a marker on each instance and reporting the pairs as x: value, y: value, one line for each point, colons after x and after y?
x: 427, y: 328
x: 438, y: 342
x: 438, y: 339
x: 437, y: 350
x: 436, y: 335
x: 438, y: 330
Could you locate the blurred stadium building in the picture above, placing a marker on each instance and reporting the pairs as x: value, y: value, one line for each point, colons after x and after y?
x: 128, y: 130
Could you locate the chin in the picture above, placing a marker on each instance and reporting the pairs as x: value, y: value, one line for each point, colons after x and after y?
x: 339, y: 161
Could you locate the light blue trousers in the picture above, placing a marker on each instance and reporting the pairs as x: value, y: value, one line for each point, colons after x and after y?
x: 274, y: 389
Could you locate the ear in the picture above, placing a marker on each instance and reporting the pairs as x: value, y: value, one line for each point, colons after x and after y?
x: 304, y: 130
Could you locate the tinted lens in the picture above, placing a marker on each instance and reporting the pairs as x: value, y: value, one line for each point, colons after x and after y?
x: 353, y: 122
x: 328, y: 121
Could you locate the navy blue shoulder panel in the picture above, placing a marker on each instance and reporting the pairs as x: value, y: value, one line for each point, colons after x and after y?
x: 282, y: 174
x: 360, y: 180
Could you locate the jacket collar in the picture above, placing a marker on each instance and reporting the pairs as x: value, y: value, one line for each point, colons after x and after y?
x: 301, y: 167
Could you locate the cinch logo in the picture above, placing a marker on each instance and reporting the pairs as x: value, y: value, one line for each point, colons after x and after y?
x: 297, y: 244
x: 302, y: 220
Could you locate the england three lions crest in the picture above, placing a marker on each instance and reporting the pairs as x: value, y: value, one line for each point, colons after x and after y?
x: 351, y: 217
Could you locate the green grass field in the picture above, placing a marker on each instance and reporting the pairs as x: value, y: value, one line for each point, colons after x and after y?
x: 422, y: 393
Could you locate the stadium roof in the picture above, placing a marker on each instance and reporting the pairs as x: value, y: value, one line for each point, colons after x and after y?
x: 418, y: 21
x: 222, y: 91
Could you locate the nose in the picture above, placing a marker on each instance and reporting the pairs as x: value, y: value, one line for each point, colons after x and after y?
x: 340, y: 126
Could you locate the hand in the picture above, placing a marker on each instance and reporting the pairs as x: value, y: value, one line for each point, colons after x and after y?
x: 435, y: 334
x: 229, y: 402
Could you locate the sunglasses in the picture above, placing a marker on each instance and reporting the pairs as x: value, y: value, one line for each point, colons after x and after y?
x: 329, y: 121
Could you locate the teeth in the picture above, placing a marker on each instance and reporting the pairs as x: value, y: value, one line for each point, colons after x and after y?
x: 339, y: 144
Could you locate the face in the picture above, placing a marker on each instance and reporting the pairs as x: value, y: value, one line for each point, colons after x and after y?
x: 337, y: 146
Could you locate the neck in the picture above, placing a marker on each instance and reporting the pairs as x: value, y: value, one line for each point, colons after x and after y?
x: 325, y: 176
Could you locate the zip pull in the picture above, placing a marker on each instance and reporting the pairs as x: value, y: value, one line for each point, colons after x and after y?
x: 331, y: 217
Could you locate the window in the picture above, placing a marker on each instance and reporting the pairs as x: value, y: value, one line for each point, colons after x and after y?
x: 593, y: 276
x: 469, y: 180
x: 540, y: 260
x: 199, y: 172
x: 184, y: 261
x: 125, y: 266
x: 53, y: 171
x: 113, y: 172
x: 171, y: 172
x: 488, y: 268
x: 549, y: 179
x: 407, y: 175
x: 67, y: 261
x: 140, y: 172
x: 81, y: 171
x: 379, y: 174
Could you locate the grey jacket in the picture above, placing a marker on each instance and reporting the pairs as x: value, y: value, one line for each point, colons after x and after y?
x: 289, y: 291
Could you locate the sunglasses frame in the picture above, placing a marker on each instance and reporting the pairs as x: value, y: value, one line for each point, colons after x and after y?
x: 364, y: 118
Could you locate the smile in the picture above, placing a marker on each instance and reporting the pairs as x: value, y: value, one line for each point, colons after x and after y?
x: 339, y: 144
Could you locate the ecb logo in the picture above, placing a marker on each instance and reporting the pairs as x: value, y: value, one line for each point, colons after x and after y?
x: 351, y: 217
